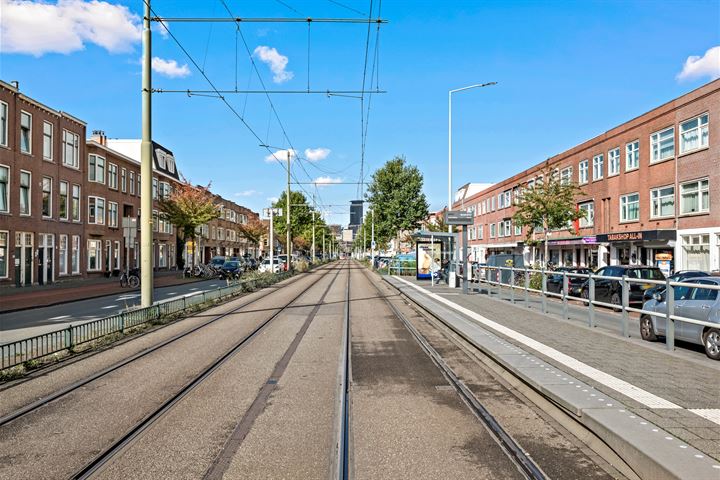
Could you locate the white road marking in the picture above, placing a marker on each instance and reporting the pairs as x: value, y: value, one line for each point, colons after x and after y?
x: 629, y: 390
x: 60, y: 317
x: 712, y: 414
x: 193, y: 289
x: 213, y: 284
x: 109, y: 307
x: 171, y: 293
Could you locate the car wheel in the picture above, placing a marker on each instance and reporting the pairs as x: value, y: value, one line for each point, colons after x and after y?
x: 616, y: 300
x: 647, y: 330
x: 711, y: 342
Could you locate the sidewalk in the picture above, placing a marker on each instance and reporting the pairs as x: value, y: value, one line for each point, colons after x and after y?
x: 660, y: 409
x: 13, y: 299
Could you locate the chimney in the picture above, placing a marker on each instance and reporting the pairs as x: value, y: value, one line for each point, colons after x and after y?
x: 99, y: 137
x: 15, y: 84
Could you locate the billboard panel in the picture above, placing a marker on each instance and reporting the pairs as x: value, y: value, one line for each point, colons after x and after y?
x: 428, y: 259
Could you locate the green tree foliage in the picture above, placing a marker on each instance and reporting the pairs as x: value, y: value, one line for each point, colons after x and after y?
x: 301, y: 222
x: 187, y: 207
x: 548, y: 205
x: 395, y: 193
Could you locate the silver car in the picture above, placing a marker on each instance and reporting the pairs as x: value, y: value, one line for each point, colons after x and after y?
x: 691, y: 302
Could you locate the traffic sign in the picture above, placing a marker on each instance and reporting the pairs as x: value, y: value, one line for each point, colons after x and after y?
x: 275, y: 212
x: 458, y: 217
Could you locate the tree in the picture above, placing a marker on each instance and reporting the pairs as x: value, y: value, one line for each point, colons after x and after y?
x: 395, y: 193
x: 301, y: 221
x: 187, y: 207
x: 439, y: 224
x: 548, y: 205
x: 253, y: 231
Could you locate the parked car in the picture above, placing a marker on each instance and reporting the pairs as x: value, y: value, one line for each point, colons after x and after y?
x: 251, y: 263
x: 691, y: 302
x: 676, y: 277
x: 265, y: 266
x: 610, y: 291
x: 555, y: 280
x: 232, y: 269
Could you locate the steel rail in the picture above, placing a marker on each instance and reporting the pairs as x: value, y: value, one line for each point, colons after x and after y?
x: 342, y: 470
x: 514, y: 451
x: 75, y: 385
x: 128, y: 438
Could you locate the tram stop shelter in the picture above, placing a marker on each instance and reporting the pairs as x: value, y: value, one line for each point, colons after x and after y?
x: 434, y: 255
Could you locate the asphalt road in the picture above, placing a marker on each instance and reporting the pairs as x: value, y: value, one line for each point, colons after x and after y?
x: 26, y: 323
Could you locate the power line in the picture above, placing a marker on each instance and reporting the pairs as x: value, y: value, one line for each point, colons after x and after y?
x: 348, y: 8
x: 266, y: 92
x: 263, y: 20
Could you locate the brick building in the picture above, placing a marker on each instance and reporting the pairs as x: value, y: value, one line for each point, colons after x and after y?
x: 64, y: 200
x: 651, y: 190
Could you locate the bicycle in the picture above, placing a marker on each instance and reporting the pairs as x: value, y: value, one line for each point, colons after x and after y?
x: 130, y: 279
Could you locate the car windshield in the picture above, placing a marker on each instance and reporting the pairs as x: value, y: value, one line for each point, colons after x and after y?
x: 233, y: 264
x: 646, y: 273
x: 217, y: 261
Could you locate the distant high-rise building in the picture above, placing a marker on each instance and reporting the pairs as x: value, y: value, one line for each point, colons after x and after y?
x: 356, y: 215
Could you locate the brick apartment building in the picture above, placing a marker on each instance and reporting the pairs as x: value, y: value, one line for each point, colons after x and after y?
x: 651, y: 191
x: 64, y: 200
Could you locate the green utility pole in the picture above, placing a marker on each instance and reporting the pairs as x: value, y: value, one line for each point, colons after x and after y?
x: 146, y: 227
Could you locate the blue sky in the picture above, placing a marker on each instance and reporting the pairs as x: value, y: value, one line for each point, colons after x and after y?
x: 566, y: 71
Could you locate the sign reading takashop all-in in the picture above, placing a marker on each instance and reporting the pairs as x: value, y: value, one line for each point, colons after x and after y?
x: 643, y: 236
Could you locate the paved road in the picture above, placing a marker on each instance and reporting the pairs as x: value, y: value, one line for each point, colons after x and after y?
x: 26, y: 323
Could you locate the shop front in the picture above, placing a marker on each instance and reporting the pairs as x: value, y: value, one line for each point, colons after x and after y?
x: 648, y: 247
x: 574, y: 252
x: 699, y: 249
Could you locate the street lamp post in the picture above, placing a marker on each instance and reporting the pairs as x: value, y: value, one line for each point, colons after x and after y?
x: 449, y: 202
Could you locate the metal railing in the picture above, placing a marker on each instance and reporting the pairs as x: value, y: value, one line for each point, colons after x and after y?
x: 522, y: 278
x: 39, y: 346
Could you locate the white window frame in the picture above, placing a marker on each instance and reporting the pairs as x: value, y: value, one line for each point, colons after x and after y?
x: 4, y: 112
x: 6, y: 234
x: 632, y: 155
x: 75, y: 255
x: 98, y: 249
x: 700, y: 191
x: 656, y: 200
x: 656, y: 145
x: 131, y: 179
x: 50, y: 196
x: 72, y: 139
x: 96, y: 201
x: 93, y: 171
x: 63, y: 254
x: 7, y: 189
x: 566, y: 175
x: 589, y: 220
x: 67, y: 198
x: 112, y: 176
x: 29, y: 187
x: 116, y: 255
x: 48, y: 157
x: 123, y: 179
x: 112, y: 211
x: 20, y: 149
x: 613, y: 162
x: 598, y: 170
x: 76, y: 218
x: 583, y: 172
x: 700, y: 129
x: 625, y: 207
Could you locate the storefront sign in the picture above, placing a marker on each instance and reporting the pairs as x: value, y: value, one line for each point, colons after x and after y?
x: 574, y: 241
x: 645, y: 235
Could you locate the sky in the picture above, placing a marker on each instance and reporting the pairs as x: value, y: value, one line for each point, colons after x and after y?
x: 565, y: 71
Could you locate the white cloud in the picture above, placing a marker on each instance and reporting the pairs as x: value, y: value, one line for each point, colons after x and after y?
x: 169, y: 68
x: 36, y: 28
x: 316, y: 154
x: 281, y: 155
x: 157, y: 27
x: 272, y: 199
x: 320, y: 181
x: 276, y: 62
x: 707, y: 65
x: 247, y: 193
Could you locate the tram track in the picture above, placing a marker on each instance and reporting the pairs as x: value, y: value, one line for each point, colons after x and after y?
x: 31, y: 407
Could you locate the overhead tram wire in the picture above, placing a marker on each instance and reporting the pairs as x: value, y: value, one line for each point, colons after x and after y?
x: 361, y: 188
x: 233, y: 19
x: 348, y: 8
x: 214, y: 88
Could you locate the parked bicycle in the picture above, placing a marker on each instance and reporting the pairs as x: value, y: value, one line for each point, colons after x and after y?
x: 130, y: 279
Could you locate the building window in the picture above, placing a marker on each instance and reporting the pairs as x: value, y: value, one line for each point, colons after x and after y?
x: 63, y: 203
x: 4, y: 189
x: 25, y: 132
x: 162, y: 255
x: 630, y: 207
x: 662, y: 202
x: 566, y: 176
x: 75, y: 254
x: 632, y: 155
x: 154, y: 188
x: 123, y: 180
x: 598, y: 167
x: 132, y: 183
x: 76, y: 203
x: 492, y: 230
x: 507, y: 230
x: 697, y: 252
x: 694, y: 134
x: 47, y: 141
x: 695, y: 197
x: 116, y: 256
x: 588, y: 208
x: 112, y: 214
x: 94, y: 255
x: 96, y: 169
x: 112, y: 176
x: 155, y: 220
x: 3, y: 124
x: 96, y: 210
x: 3, y: 254
x: 584, y: 171
x: 139, y: 184
x: 613, y: 161
x: 25, y: 179
x: 480, y: 232
x: 47, y: 197
x: 62, y: 254
x: 662, y: 145
x: 71, y: 149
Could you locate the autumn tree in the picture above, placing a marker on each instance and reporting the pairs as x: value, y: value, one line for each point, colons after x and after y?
x: 187, y: 207
x: 550, y: 204
x: 253, y: 231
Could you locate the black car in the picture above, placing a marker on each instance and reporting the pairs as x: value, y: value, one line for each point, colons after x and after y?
x: 610, y: 291
x: 676, y: 277
x: 555, y: 280
x: 232, y: 269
